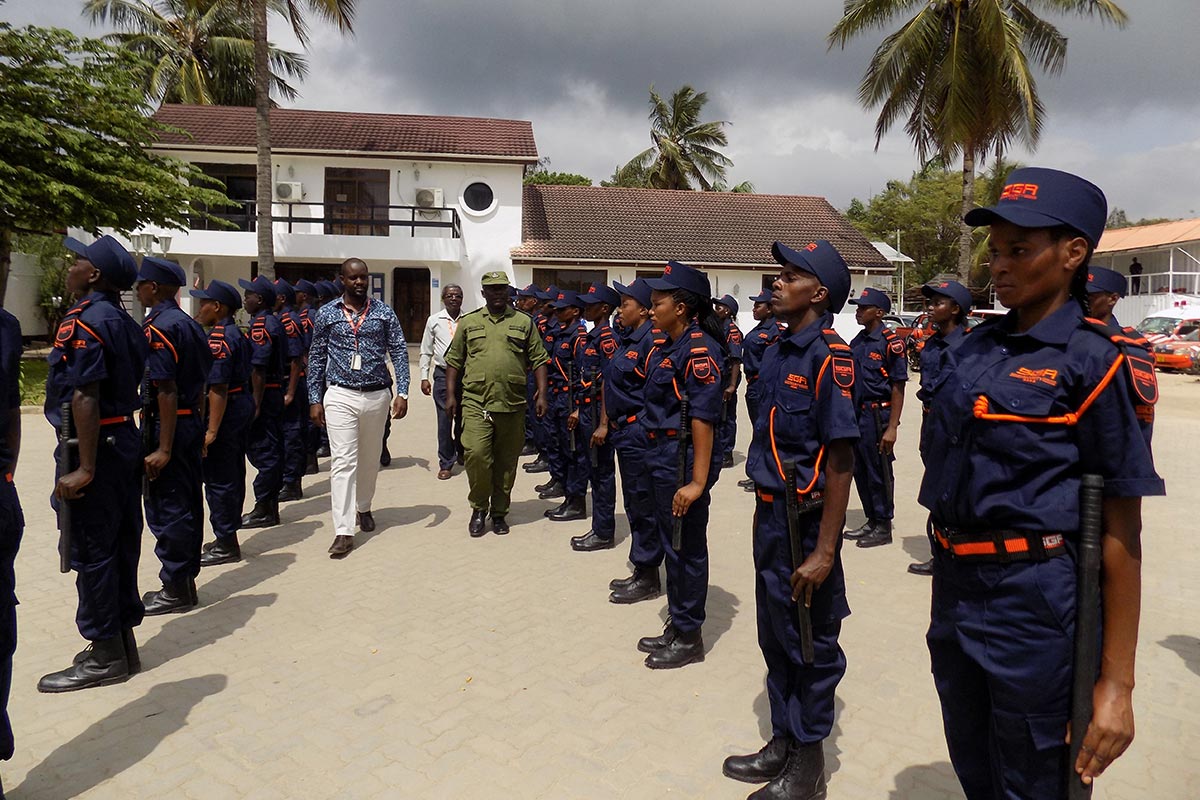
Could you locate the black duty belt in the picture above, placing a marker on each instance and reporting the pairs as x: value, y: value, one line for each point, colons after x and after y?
x: 370, y: 387
x: 999, y: 546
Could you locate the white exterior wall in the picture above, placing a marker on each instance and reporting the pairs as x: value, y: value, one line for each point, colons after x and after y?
x: 21, y: 295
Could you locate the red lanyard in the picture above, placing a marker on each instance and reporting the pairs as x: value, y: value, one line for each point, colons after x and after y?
x: 361, y: 319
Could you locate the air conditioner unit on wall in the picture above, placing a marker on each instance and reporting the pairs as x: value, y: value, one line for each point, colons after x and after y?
x: 290, y: 191
x: 429, y: 197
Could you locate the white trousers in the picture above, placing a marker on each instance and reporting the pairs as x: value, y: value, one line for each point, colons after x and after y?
x: 355, y: 421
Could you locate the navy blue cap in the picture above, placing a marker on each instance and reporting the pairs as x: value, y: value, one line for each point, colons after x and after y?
x: 110, y: 257
x: 287, y: 291
x: 528, y: 291
x: 551, y: 293
x: 762, y: 297
x: 220, y: 291
x: 1101, y: 279
x: 599, y: 293
x: 339, y: 288
x: 677, y: 275
x: 260, y: 286
x: 638, y: 290
x: 1037, y: 197
x: 160, y: 270
x: 567, y: 298
x: 821, y: 260
x: 873, y: 297
x: 729, y: 302
x: 952, y: 289
x: 307, y: 287
x: 325, y: 290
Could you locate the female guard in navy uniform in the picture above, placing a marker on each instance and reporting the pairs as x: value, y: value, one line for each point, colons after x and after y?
x: 808, y: 420
x: 569, y: 462
x: 269, y: 370
x: 947, y: 303
x: 1036, y: 400
x: 623, y: 425
x: 727, y: 309
x: 760, y: 337
x: 881, y: 371
x: 96, y: 366
x: 175, y: 373
x: 688, y: 364
x: 230, y: 410
x: 295, y: 403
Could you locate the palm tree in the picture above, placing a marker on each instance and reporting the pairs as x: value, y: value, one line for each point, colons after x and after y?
x: 201, y: 51
x: 960, y: 71
x: 684, y: 148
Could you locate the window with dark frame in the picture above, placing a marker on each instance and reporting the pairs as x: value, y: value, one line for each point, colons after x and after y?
x: 478, y: 197
x: 576, y: 280
x: 354, y: 199
x: 237, y: 181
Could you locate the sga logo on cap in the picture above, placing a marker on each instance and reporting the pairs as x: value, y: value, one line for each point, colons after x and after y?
x: 1020, y: 191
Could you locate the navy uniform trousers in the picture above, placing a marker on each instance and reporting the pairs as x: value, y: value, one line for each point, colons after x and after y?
x: 752, y: 399
x: 631, y: 443
x: 265, y: 447
x: 106, y: 535
x: 1001, y: 642
x: 294, y: 426
x: 573, y: 468
x: 12, y: 524
x: 877, y: 503
x: 555, y: 432
x: 801, y: 695
x: 687, y: 569
x: 727, y: 435
x: 603, y: 478
x: 224, y: 467
x: 175, y: 505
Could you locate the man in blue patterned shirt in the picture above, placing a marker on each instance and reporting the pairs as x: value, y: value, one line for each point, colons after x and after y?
x: 349, y: 389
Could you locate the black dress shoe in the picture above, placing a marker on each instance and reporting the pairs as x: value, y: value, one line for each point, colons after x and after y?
x: 574, y: 508
x: 591, y: 541
x: 221, y: 551
x: 171, y: 599
x: 366, y: 521
x: 341, y: 547
x: 747, y: 484
x: 558, y: 507
x: 550, y: 485
x: 727, y: 461
x: 685, y: 648
x: 385, y: 457
x: 478, y: 525
x: 860, y: 531
x: 645, y: 585
x: 765, y: 765
x: 104, y: 665
x: 500, y: 526
x: 539, y: 465
x: 923, y: 568
x: 263, y: 515
x: 803, y: 778
x: 310, y: 466
x: 529, y: 449
x: 290, y: 492
x: 650, y: 644
x: 323, y: 451
x: 881, y: 534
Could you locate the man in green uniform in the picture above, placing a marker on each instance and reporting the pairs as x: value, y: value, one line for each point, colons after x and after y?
x: 492, y: 350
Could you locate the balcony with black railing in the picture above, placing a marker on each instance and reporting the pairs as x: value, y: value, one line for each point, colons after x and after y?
x: 335, y: 219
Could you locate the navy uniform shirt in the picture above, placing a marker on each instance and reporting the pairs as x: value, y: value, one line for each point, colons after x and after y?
x: 293, y: 329
x: 306, y: 326
x: 806, y: 402
x: 10, y: 381
x: 625, y: 373
x: 231, y: 356
x: 733, y: 341
x: 592, y: 355
x: 937, y: 361
x: 562, y: 349
x: 268, y: 346
x: 178, y: 352
x: 97, y: 342
x: 761, y: 336
x: 997, y: 474
x: 879, y: 361
x: 690, y: 364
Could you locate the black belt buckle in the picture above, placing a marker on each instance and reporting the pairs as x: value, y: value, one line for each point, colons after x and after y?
x: 1002, y: 554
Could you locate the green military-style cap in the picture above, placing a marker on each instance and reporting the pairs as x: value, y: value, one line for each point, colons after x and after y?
x: 497, y: 278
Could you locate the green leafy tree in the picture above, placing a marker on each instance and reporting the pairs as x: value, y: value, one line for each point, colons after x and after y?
x: 557, y: 179
x: 960, y: 73
x: 199, y: 52
x: 745, y: 187
x: 684, y: 150
x: 75, y: 134
x: 629, y: 176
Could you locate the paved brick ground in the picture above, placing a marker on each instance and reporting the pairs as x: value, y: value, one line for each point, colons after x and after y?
x: 431, y: 665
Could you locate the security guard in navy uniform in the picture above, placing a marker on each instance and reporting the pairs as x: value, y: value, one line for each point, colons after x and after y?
x: 306, y: 304
x: 176, y: 373
x: 809, y: 420
x: 754, y: 347
x: 881, y: 370
x: 269, y: 371
x: 543, y: 431
x: 12, y: 520
x: 570, y: 465
x: 527, y: 303
x: 96, y: 366
x: 295, y: 404
x: 727, y: 309
x: 230, y: 410
x: 1104, y: 288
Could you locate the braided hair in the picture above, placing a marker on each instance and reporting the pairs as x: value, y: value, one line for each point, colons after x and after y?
x: 1079, y: 280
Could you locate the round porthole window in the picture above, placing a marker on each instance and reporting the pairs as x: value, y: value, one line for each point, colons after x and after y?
x: 479, y: 198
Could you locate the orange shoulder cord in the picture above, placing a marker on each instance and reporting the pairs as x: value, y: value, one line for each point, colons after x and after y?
x: 1070, y: 418
x: 820, y: 453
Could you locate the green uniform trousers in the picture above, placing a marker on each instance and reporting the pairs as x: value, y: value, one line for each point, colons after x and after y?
x: 492, y: 442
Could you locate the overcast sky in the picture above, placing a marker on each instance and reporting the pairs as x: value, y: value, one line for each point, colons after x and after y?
x: 1125, y: 113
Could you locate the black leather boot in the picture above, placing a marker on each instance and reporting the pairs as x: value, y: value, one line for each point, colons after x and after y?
x: 685, y: 648
x: 221, y: 551
x: 557, y: 508
x: 591, y: 541
x: 802, y: 779
x: 645, y: 585
x: 478, y: 525
x: 530, y: 449
x: 923, y: 568
x: 550, y: 490
x: 765, y: 765
x: 310, y: 465
x: 621, y: 583
x: 651, y: 644
x: 860, y: 531
x: 263, y: 515
x: 575, y: 508
x: 290, y: 492
x: 104, y: 664
x: 172, y: 598
x: 540, y: 465
x: 131, y: 652
x: 881, y: 534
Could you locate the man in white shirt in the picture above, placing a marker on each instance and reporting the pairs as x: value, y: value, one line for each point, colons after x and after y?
x: 439, y: 332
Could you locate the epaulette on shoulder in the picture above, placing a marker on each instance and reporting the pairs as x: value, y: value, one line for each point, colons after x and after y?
x: 888, y: 334
x: 834, y: 340
x: 1136, y: 351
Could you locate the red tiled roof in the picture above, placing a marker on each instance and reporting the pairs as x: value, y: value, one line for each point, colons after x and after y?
x: 652, y: 225
x: 300, y: 129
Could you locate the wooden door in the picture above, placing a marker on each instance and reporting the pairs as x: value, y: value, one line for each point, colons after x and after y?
x: 410, y: 299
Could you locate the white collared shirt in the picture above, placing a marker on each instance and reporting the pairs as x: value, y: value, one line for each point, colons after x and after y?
x: 439, y: 332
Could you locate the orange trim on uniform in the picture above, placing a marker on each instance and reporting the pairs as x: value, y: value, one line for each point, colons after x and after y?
x: 1000, y: 543
x: 116, y: 420
x: 1070, y: 418
x: 166, y: 341
x: 81, y: 324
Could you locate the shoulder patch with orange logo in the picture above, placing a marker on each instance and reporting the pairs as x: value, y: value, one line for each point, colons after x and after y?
x: 843, y: 371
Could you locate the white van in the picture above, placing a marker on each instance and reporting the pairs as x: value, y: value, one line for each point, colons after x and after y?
x: 1167, y: 323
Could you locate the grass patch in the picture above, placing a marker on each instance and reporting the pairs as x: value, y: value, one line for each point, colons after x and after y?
x: 33, y: 381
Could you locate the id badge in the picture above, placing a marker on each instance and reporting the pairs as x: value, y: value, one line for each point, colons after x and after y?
x: 355, y: 362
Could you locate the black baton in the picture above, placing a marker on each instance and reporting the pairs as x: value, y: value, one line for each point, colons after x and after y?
x: 1087, y: 621
x: 793, y: 522
x: 65, y: 444
x: 885, y: 465
x: 681, y: 477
